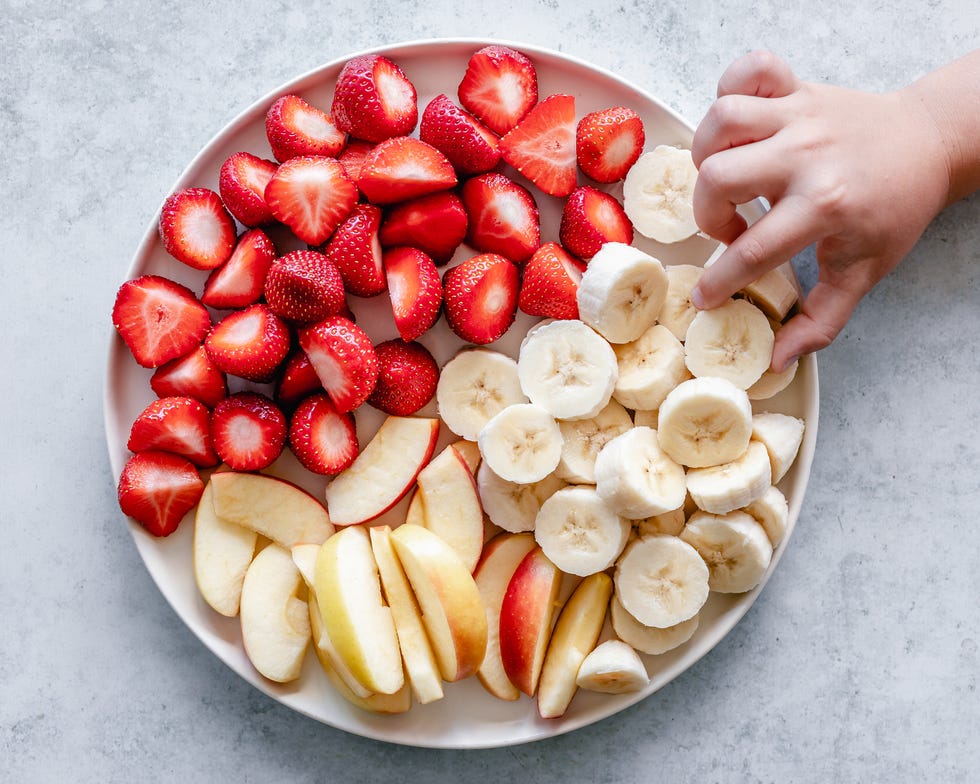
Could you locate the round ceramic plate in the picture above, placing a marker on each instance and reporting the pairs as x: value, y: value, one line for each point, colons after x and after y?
x: 468, y: 717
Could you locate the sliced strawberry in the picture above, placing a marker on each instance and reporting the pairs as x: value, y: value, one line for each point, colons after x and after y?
x: 297, y: 380
x: 403, y: 168
x: 590, y: 219
x: 407, y: 377
x: 192, y: 375
x: 503, y: 217
x: 542, y: 146
x: 470, y: 147
x: 355, y: 251
x: 550, y: 283
x: 159, y: 319
x: 196, y: 228
x: 481, y: 297
x: 608, y: 142
x: 238, y: 282
x: 311, y: 195
x: 373, y: 99
x: 415, y: 290
x: 304, y: 286
x: 295, y: 128
x: 241, y: 184
x: 249, y: 343
x: 249, y: 431
x: 435, y: 224
x: 157, y: 489
x: 181, y: 425
x: 344, y: 359
x: 500, y: 86
x: 352, y: 157
x: 323, y: 439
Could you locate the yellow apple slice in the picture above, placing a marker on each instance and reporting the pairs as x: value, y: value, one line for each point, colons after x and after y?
x: 222, y: 554
x: 470, y: 452
x: 416, y: 510
x: 452, y: 505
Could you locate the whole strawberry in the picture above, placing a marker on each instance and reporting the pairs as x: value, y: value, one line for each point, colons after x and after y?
x: 407, y: 377
x: 304, y: 286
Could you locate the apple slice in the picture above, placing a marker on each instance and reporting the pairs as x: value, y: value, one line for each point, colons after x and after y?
x: 470, y: 452
x: 574, y: 637
x: 497, y: 565
x: 452, y: 505
x: 222, y: 554
x: 416, y: 510
x: 384, y: 470
x: 452, y: 610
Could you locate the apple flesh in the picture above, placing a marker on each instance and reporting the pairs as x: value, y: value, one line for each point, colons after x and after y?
x: 470, y: 452
x: 222, y: 554
x: 416, y: 510
x: 452, y: 505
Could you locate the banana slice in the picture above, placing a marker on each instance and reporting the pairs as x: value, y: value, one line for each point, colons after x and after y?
x: 647, y: 419
x: 724, y: 488
x: 567, y: 369
x: 621, y: 292
x: 658, y: 194
x: 583, y: 438
x: 510, y: 505
x: 579, y: 532
x: 636, y: 477
x: 661, y: 581
x: 475, y: 385
x: 521, y: 444
x: 772, y: 513
x: 774, y: 293
x: 705, y: 422
x: 613, y: 667
x: 733, y: 341
x: 649, y: 368
x: 771, y: 384
x: 782, y: 435
x: 649, y: 639
x: 678, y: 311
x: 734, y: 546
x: 671, y: 523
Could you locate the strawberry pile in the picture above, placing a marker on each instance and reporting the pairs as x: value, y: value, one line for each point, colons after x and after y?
x: 379, y: 211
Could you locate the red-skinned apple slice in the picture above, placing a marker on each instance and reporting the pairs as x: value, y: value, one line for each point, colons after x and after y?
x: 415, y: 514
x: 470, y: 452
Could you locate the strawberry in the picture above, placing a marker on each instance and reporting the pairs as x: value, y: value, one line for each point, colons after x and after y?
x: 295, y: 128
x: 590, y: 219
x: 542, y: 145
x: 435, y: 224
x: 238, y: 282
x: 608, y: 142
x: 157, y: 489
x: 550, y: 283
x: 500, y: 86
x: 415, y: 289
x: 241, y: 183
x: 159, y: 319
x: 481, y: 297
x: 196, y: 228
x: 503, y: 217
x: 344, y: 359
x: 323, y: 439
x: 304, y: 286
x: 407, y: 377
x: 249, y: 343
x: 352, y: 157
x: 373, y: 99
x: 470, y: 147
x: 311, y: 195
x: 181, y: 425
x: 192, y: 375
x: 297, y: 380
x: 356, y: 253
x: 249, y: 431
x: 403, y: 168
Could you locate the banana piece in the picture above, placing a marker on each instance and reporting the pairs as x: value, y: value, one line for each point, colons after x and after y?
x: 475, y: 385
x: 661, y: 581
x: 724, y: 488
x: 782, y: 435
x: 583, y: 438
x: 772, y: 513
x: 671, y: 523
x: 771, y: 384
x: 567, y: 369
x: 636, y: 478
x: 658, y: 194
x: 621, y: 292
x: 735, y: 547
x: 649, y: 368
x: 774, y: 293
x: 705, y: 422
x: 647, y: 419
x: 649, y: 639
x: 613, y: 667
x: 510, y: 505
x: 521, y: 444
x: 578, y: 531
x: 678, y: 311
x: 733, y: 341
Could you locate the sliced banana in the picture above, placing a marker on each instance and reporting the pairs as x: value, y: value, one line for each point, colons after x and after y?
x: 649, y: 639
x: 475, y: 385
x: 647, y: 419
x: 782, y: 435
x: 723, y: 488
x: 671, y: 523
x: 678, y: 311
x: 658, y: 194
x: 649, y: 368
x: 771, y: 384
x: 636, y: 477
x: 510, y: 505
x: 583, y: 438
x: 733, y: 341
x: 774, y: 293
x: 578, y: 531
x: 521, y: 444
x: 734, y: 546
x: 613, y: 667
x: 705, y: 422
x: 772, y: 513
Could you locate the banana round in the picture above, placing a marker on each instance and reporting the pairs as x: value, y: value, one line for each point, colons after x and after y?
x: 579, y: 532
x: 734, y: 546
x: 705, y: 422
x: 658, y: 194
x: 521, y: 444
x: 636, y: 477
x: 475, y: 385
x: 649, y: 639
x: 733, y: 341
x: 661, y: 581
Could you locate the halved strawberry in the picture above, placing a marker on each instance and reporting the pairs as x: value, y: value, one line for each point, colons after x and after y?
x: 344, y: 359
x: 355, y: 251
x: 542, y: 146
x: 192, y: 375
x: 159, y: 319
x: 608, y: 142
x: 481, y: 297
x: 296, y: 128
x: 241, y: 184
x: 590, y: 219
x: 550, y: 283
x: 415, y: 290
x: 323, y: 439
x: 373, y: 99
x: 249, y: 431
x: 311, y: 195
x: 403, y: 168
x: 470, y: 147
x: 304, y: 286
x: 249, y: 343
x: 503, y: 217
x: 500, y: 86
x: 238, y: 282
x: 407, y: 377
x: 435, y: 224
x: 297, y: 380
x: 181, y: 425
x: 196, y: 228
x: 352, y: 157
x: 157, y: 489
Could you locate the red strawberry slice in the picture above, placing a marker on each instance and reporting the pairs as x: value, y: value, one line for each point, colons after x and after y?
x: 590, y: 219
x: 238, y: 282
x: 295, y: 128
x: 241, y: 184
x: 304, y: 286
x: 181, y: 425
x: 503, y: 217
x: 500, y: 86
x: 407, y: 377
x: 196, y: 228
x: 192, y: 375
x: 435, y: 224
x: 323, y: 439
x: 297, y: 380
x: 352, y: 157
x: 344, y: 359
x: 157, y: 489
x: 550, y: 283
x: 542, y: 146
x: 159, y: 319
x: 355, y: 251
x: 311, y: 195
x: 415, y: 290
x: 608, y: 142
x: 249, y: 431
x: 373, y: 99
x: 403, y: 168
x: 470, y: 147
x: 481, y: 297
x: 249, y: 343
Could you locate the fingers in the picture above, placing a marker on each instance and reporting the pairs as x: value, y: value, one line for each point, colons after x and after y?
x: 734, y: 120
x: 825, y: 311
x: 758, y: 73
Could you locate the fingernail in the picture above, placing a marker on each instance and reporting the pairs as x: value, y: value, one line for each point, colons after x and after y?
x: 697, y: 298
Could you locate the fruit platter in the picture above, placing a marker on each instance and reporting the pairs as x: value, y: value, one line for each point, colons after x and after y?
x: 412, y: 419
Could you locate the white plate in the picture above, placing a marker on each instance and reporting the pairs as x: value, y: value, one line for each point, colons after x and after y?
x: 468, y: 717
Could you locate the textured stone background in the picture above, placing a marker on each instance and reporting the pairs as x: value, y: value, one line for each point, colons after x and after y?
x: 859, y: 662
